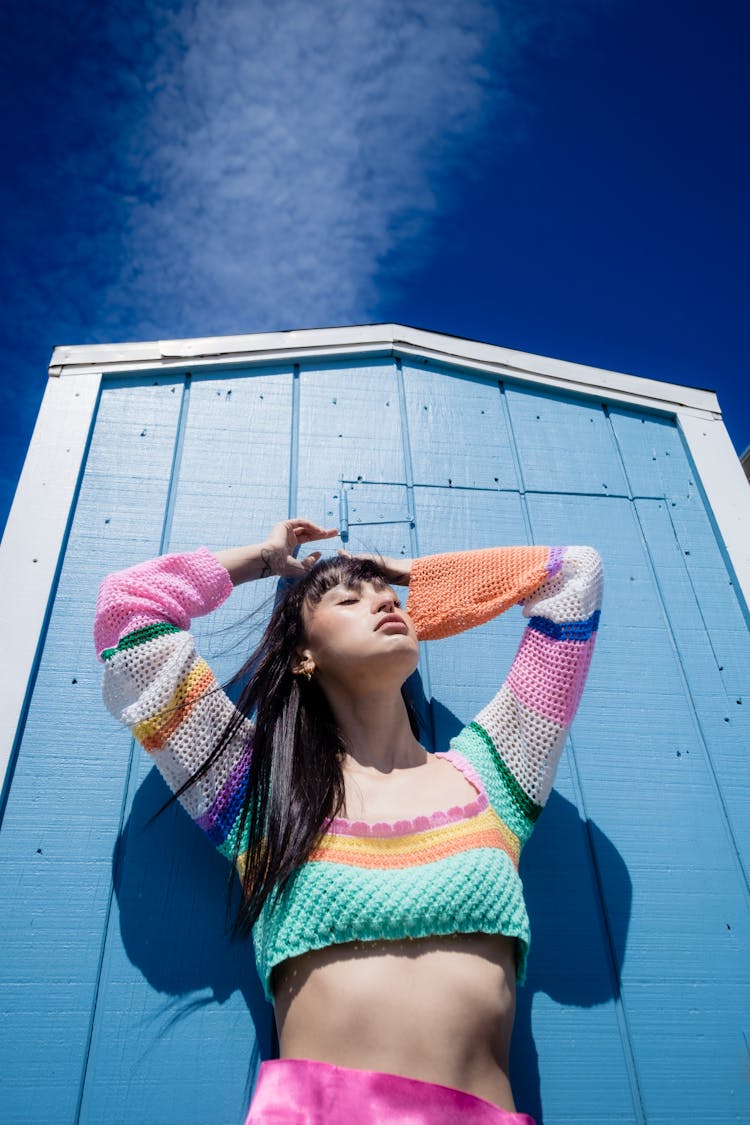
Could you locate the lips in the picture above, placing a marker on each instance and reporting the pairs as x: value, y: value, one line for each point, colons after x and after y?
x: 392, y: 619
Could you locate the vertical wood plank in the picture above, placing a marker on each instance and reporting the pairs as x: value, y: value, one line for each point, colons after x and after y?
x: 566, y: 998
x: 233, y: 486
x: 64, y: 806
x: 350, y: 429
x: 564, y: 444
x: 655, y: 454
x: 175, y: 988
x: 723, y: 718
x: 648, y: 791
x: 458, y: 430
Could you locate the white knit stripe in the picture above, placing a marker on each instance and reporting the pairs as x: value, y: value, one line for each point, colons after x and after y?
x: 189, y: 746
x: 574, y: 593
x: 529, y: 744
x: 140, y: 682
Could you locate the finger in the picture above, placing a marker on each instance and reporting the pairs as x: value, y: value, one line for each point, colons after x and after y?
x: 361, y: 555
x: 308, y: 525
x: 310, y: 560
x: 295, y: 568
x: 305, y: 531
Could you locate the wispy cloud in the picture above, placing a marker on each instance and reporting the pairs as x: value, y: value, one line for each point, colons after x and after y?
x: 213, y: 166
x: 290, y: 148
x: 236, y: 165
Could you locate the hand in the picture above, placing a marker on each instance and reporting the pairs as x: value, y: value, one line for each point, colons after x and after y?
x: 277, y: 553
x: 397, y: 571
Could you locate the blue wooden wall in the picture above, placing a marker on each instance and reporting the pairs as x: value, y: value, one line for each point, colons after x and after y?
x: 123, y: 999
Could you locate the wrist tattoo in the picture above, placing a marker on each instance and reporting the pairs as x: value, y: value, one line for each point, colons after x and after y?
x: 265, y: 558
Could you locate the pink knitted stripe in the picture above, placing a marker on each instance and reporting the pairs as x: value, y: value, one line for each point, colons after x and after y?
x: 547, y: 676
x: 340, y: 826
x: 464, y: 766
x: 173, y: 588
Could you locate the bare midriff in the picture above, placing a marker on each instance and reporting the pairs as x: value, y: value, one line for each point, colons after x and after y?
x: 439, y: 1009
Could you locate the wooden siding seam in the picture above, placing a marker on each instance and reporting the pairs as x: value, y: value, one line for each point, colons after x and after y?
x: 292, y: 512
x: 618, y: 451
x: 691, y: 584
x: 408, y: 463
x: 517, y: 463
x: 132, y: 775
x: 424, y: 656
x: 174, y: 470
x: 733, y: 844
x: 623, y: 1025
x: 698, y: 725
x: 680, y: 664
x: 621, y: 1015
x: 105, y: 942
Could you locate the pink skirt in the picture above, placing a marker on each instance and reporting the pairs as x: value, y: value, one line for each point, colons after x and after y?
x: 301, y: 1092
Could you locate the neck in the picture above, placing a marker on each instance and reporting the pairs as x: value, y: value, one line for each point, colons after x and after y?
x: 376, y: 730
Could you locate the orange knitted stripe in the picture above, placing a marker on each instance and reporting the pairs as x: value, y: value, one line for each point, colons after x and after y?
x: 452, y: 592
x: 154, y: 732
x: 411, y: 851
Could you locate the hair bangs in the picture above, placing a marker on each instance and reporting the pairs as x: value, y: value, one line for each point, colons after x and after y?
x: 351, y: 573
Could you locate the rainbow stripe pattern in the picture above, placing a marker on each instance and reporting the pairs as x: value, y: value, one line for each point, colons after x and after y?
x: 450, y: 871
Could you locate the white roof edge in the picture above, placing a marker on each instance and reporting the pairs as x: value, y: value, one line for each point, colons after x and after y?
x: 726, y: 487
x: 320, y: 342
x: 34, y: 537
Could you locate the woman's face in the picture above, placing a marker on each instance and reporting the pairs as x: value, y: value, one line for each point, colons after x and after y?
x: 359, y: 634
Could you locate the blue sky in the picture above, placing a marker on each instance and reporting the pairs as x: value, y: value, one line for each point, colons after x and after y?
x: 567, y: 177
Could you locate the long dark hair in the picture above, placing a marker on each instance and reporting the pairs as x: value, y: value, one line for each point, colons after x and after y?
x: 295, y: 783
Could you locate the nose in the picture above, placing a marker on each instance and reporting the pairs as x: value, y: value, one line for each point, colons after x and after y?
x: 384, y: 602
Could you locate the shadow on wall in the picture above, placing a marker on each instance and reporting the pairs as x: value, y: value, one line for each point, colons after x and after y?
x: 175, y: 918
x: 175, y: 914
x: 568, y: 960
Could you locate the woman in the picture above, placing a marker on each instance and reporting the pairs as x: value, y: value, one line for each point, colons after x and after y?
x: 380, y: 881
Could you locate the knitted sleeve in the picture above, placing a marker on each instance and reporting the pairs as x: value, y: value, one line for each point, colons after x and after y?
x: 520, y: 734
x: 156, y: 683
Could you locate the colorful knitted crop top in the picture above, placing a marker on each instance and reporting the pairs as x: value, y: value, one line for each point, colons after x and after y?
x: 453, y: 871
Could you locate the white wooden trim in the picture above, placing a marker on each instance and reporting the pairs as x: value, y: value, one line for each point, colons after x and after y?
x: 591, y: 380
x: 631, y: 390
x: 268, y: 347
x: 33, y: 539
x: 725, y: 485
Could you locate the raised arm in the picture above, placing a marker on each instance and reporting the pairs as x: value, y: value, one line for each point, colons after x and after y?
x: 156, y: 683
x: 517, y: 739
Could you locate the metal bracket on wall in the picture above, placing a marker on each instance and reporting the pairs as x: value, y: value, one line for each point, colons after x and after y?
x: 379, y: 492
